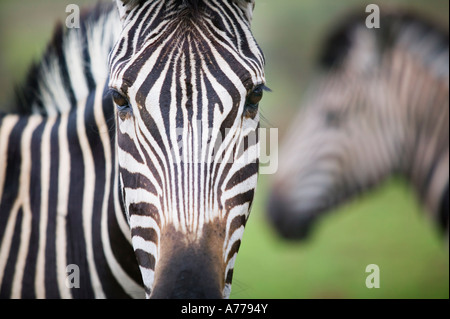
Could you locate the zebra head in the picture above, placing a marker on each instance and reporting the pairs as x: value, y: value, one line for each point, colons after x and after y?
x: 187, y: 77
x: 365, y: 119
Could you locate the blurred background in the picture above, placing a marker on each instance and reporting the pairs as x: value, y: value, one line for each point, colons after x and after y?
x: 386, y: 227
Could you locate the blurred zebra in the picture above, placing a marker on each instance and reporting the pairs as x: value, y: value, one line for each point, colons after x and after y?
x: 167, y: 170
x: 382, y: 108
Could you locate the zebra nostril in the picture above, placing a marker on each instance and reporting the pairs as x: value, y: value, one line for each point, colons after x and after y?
x: 289, y: 223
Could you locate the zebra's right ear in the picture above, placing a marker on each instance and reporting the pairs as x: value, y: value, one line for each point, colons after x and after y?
x: 126, y: 6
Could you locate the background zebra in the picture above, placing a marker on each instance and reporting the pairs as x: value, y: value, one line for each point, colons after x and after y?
x: 179, y: 170
x: 382, y: 108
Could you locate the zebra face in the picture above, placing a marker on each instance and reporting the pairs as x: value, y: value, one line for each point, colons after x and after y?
x: 342, y: 143
x: 187, y: 77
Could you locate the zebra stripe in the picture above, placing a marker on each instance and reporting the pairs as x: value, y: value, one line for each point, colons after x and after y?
x: 44, y: 208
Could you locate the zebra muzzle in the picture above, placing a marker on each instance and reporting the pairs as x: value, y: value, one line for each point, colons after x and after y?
x: 289, y: 223
x: 188, y: 269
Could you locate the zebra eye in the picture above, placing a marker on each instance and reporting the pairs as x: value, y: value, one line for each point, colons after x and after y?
x: 121, y: 101
x: 253, y: 99
x: 256, y: 95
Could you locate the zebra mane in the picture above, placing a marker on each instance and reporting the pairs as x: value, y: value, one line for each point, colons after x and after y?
x: 48, y: 87
x: 419, y: 35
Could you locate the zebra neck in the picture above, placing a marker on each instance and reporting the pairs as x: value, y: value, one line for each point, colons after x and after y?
x: 423, y: 101
x: 63, y: 169
x: 429, y: 170
x: 58, y: 164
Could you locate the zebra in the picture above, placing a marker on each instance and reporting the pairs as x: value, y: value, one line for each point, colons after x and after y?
x: 133, y: 154
x: 380, y: 109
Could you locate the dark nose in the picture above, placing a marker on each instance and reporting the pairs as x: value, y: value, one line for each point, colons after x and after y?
x: 188, y: 274
x: 288, y: 222
x: 188, y: 284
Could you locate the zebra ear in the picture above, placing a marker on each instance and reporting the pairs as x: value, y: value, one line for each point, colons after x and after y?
x: 247, y: 6
x: 363, y: 55
x: 351, y: 46
x: 125, y: 7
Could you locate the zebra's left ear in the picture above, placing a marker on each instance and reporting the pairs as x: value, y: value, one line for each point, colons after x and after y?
x: 247, y: 6
x: 126, y: 6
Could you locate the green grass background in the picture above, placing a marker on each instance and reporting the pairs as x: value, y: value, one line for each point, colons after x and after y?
x: 386, y: 227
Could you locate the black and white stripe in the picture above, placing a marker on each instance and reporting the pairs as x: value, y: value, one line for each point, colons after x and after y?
x: 381, y: 109
x: 174, y: 181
